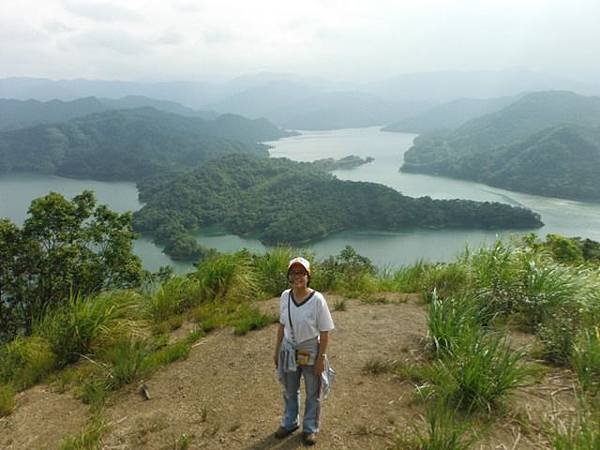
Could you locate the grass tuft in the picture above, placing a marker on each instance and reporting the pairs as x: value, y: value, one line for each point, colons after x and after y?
x: 7, y: 399
x: 84, y: 325
x: 90, y: 438
x: 250, y: 318
x: 26, y: 360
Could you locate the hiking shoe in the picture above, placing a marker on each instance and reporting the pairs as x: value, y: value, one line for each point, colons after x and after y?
x: 309, y: 438
x: 284, y: 432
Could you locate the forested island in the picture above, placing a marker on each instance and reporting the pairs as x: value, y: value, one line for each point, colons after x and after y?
x: 345, y: 163
x: 546, y: 143
x: 281, y: 201
x: 130, y: 144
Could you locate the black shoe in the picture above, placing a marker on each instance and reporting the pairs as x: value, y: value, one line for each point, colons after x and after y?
x: 282, y: 432
x: 309, y: 438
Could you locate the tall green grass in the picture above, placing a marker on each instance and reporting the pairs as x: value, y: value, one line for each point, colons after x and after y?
x: 271, y: 269
x: 581, y: 433
x: 227, y: 276
x: 586, y: 359
x: 7, y: 399
x: 173, y: 297
x: 85, y: 325
x: 25, y: 361
x: 480, y: 372
x: 450, y: 321
x: 90, y: 438
x: 443, y: 430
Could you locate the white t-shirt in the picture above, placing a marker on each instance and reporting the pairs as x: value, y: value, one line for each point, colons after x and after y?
x: 308, y: 318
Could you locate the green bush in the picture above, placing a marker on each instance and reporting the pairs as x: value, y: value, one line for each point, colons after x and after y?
x: 25, y: 361
x: 88, y: 324
x: 7, y: 399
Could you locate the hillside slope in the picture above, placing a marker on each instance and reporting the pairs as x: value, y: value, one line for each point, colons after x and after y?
x: 521, y: 147
x: 225, y: 395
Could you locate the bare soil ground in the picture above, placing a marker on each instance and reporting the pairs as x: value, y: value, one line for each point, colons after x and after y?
x: 226, y: 395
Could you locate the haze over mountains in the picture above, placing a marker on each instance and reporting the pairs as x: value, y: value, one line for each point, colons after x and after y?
x: 491, y: 130
x: 307, y: 102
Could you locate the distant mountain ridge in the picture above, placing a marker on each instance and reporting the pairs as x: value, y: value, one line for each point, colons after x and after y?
x: 130, y: 144
x: 308, y: 102
x: 546, y: 143
x: 449, y: 115
x: 16, y: 114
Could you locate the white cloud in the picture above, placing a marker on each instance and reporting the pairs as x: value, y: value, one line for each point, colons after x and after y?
x: 333, y: 38
x: 101, y: 11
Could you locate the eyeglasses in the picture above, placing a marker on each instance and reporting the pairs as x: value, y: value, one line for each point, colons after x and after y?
x: 298, y: 272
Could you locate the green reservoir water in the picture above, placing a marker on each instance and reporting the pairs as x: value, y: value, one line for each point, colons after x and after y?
x: 384, y: 248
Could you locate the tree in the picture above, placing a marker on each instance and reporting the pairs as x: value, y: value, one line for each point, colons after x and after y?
x: 64, y: 248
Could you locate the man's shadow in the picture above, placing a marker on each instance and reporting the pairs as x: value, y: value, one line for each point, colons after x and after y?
x: 270, y: 442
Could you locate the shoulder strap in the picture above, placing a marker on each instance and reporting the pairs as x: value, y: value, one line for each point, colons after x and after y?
x: 290, y: 317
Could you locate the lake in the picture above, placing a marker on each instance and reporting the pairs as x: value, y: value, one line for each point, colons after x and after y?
x: 384, y: 248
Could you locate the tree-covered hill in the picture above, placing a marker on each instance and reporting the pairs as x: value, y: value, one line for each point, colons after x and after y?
x: 281, y: 201
x: 130, y: 144
x: 16, y: 114
x: 545, y: 143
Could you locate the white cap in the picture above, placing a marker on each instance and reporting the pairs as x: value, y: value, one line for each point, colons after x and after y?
x: 299, y: 260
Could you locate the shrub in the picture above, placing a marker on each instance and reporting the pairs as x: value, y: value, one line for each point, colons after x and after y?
x: 87, y: 324
x: 25, y: 361
x: 7, y: 400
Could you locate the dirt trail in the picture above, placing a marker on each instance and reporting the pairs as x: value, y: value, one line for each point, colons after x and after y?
x: 225, y: 395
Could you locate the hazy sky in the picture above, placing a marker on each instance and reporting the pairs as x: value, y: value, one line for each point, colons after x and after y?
x: 347, y: 40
